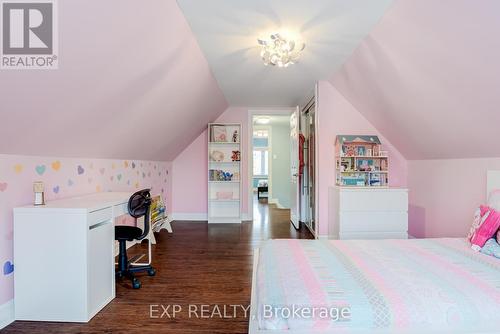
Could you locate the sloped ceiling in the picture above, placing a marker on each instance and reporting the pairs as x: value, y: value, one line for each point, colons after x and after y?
x: 428, y: 78
x: 132, y: 83
x: 227, y: 31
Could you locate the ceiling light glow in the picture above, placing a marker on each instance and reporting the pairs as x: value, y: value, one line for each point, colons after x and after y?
x: 280, y: 51
x: 262, y: 120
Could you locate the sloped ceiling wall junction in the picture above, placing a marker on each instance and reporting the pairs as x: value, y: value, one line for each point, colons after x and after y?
x: 132, y: 83
x: 428, y: 78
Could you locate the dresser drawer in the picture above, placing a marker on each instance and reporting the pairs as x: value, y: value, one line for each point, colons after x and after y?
x: 374, y: 221
x: 99, y: 216
x: 373, y: 200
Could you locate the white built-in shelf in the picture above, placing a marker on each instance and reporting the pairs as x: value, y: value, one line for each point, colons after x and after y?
x: 224, y: 197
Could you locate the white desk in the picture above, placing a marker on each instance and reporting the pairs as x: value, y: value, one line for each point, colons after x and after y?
x: 64, y: 257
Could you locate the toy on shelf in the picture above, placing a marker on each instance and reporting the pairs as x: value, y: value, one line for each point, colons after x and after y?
x: 360, y: 162
x: 235, y: 156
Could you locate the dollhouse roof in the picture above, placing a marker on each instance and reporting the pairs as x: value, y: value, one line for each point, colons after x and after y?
x: 342, y: 139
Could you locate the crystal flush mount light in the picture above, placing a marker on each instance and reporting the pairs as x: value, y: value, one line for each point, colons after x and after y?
x: 280, y: 51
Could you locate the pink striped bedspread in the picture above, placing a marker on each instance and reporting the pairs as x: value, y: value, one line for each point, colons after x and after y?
x: 418, y: 285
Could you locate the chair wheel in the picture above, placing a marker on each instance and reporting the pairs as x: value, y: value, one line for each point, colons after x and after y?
x: 136, y: 284
x: 151, y: 272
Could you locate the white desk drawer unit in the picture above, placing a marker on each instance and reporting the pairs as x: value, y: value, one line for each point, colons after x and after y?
x: 368, y: 213
x: 64, y: 257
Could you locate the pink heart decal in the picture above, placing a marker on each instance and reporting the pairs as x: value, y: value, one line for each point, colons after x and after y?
x: 3, y: 186
x: 102, y: 170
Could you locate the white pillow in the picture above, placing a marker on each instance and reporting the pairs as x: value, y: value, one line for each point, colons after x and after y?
x: 494, y: 199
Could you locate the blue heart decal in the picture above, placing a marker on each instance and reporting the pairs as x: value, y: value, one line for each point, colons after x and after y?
x: 56, y: 189
x: 133, y: 164
x: 80, y: 170
x: 40, y: 169
x: 8, y: 268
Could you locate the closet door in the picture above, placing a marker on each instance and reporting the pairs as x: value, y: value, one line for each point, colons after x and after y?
x: 294, y: 168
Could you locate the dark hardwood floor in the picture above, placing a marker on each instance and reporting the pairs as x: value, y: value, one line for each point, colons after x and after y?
x: 199, y: 264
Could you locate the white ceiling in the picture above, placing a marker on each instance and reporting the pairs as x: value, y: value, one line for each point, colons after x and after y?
x: 227, y: 32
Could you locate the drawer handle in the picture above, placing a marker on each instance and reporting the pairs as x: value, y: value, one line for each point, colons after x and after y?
x: 99, y: 224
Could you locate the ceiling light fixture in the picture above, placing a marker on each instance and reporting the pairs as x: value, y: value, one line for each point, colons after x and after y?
x: 280, y: 51
x: 262, y: 120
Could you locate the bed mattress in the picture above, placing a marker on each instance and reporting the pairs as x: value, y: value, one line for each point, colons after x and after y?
x: 397, y: 286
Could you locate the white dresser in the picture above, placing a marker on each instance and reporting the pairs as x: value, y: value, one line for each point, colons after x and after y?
x: 368, y: 213
x: 64, y: 257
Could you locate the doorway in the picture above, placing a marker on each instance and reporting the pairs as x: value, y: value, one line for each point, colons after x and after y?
x: 270, y: 167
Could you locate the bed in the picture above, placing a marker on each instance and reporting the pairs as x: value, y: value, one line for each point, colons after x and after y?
x: 387, y: 286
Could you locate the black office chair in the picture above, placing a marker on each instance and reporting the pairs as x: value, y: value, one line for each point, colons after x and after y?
x: 138, y: 206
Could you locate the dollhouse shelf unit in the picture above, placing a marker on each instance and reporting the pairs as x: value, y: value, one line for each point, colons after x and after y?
x: 224, y: 173
x: 360, y: 162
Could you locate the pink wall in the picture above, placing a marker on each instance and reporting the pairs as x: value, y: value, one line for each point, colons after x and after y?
x: 65, y: 178
x: 336, y: 116
x: 189, y: 169
x: 129, y: 74
x: 445, y: 193
x: 427, y: 77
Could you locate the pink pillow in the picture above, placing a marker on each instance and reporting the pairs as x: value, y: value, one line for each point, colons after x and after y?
x: 480, y: 216
x: 488, y: 228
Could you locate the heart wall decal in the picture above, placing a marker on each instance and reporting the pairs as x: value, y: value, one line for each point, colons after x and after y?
x: 56, y: 165
x: 40, y: 169
x: 80, y: 170
x: 18, y: 168
x: 3, y: 186
x: 56, y: 189
x: 8, y: 268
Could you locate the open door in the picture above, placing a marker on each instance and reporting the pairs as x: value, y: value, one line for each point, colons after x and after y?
x: 294, y: 168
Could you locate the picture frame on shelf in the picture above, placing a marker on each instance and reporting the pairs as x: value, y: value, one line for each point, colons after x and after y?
x: 219, y: 134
